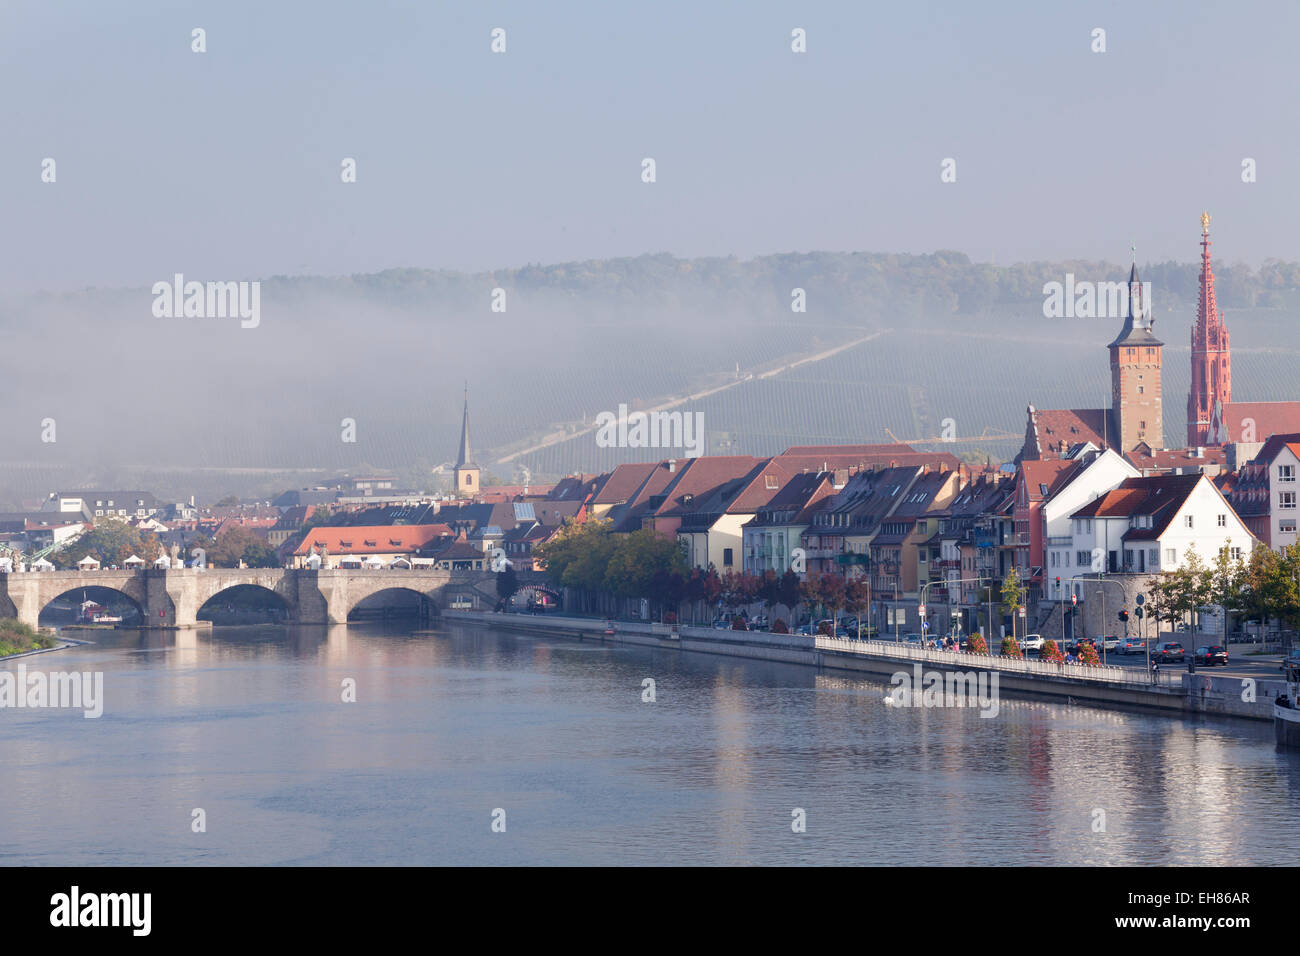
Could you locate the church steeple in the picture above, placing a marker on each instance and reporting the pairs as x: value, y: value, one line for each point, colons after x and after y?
x: 1211, y: 357
x: 466, y: 473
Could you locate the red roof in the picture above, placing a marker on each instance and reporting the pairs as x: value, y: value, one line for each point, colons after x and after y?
x: 372, y: 539
x: 1051, y: 432
x: 1257, y: 421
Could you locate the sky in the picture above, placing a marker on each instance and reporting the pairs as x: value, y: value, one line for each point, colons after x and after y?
x: 225, y: 165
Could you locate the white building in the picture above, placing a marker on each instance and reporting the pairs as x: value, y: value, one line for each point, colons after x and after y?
x: 1149, y: 524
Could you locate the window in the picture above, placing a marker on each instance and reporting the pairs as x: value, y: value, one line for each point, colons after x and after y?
x: 1286, y: 526
x: 726, y: 557
x: 1171, y: 556
x: 1187, y: 521
x: 1286, y: 499
x: 1082, y: 558
x: 1236, y: 554
x: 1153, y: 556
x: 1286, y: 473
x: 1223, y: 521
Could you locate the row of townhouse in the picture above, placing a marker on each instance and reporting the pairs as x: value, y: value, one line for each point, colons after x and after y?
x: 930, y: 531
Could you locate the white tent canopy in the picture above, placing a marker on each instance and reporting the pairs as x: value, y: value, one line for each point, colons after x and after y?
x: 163, y: 562
x: 133, y: 560
x: 43, y: 565
x: 313, y: 561
x: 374, y: 561
x: 86, y: 562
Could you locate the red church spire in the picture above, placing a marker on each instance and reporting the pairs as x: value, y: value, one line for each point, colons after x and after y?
x: 1211, y: 358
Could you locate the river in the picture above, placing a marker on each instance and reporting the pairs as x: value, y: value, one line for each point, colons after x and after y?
x: 454, y: 723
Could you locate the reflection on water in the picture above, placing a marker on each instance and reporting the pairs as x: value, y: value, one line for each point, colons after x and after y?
x: 250, y: 725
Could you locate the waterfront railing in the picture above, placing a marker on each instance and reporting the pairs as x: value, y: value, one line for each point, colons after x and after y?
x: 1109, y: 673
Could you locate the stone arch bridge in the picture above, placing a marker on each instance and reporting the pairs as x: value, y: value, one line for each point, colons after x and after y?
x: 173, y: 598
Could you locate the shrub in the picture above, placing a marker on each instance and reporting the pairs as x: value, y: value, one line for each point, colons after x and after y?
x: 977, y: 645
x: 824, y: 628
x: 1011, y: 647
x: 1088, y: 654
x: 670, y: 617
x: 738, y: 623
x: 1051, y: 652
x: 780, y: 627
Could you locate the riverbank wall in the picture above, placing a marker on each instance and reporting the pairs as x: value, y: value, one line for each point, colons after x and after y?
x: 1176, y: 693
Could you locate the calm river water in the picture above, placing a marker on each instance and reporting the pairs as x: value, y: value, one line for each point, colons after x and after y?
x: 453, y: 723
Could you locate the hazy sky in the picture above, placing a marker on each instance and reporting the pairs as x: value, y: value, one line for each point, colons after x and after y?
x: 225, y: 165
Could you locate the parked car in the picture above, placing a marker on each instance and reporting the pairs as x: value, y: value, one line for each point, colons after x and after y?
x: 1032, y: 642
x: 759, y: 623
x: 805, y: 629
x: 1211, y: 655
x: 1132, y: 645
x: 1170, y: 651
x: 722, y: 624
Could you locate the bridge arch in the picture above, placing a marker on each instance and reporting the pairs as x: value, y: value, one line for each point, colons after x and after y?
x: 396, y: 600
x: 245, y: 603
x: 63, y: 608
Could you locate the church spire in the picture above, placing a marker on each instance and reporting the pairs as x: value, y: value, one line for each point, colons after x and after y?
x: 1211, y: 357
x: 466, y: 473
x: 466, y: 456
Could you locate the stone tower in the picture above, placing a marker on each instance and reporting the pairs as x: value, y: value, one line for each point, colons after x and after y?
x: 1135, y: 362
x: 1211, y: 358
x: 466, y: 474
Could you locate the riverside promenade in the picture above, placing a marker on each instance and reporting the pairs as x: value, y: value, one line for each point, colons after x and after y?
x: 1175, y: 692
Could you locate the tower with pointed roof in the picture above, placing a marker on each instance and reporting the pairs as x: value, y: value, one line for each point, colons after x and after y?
x: 1211, y: 386
x: 1135, y: 365
x: 466, y: 473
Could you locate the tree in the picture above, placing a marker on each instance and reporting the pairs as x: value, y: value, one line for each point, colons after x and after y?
x: 240, y: 543
x: 111, y: 541
x: 1013, y: 596
x: 857, y: 599
x: 1224, y: 585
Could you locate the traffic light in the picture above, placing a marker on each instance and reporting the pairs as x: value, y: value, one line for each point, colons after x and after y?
x: 1058, y: 580
x: 1137, y: 612
x: 1123, y: 615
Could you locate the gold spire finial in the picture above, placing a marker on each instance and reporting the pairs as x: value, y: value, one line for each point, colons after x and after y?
x: 1205, y: 223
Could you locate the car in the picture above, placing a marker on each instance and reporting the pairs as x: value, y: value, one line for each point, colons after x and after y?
x: 805, y: 629
x: 1132, y: 645
x: 1210, y: 655
x: 1032, y: 642
x: 913, y: 639
x: 759, y: 623
x: 1077, y: 645
x: 1110, y: 642
x: 1170, y: 651
x: 722, y: 624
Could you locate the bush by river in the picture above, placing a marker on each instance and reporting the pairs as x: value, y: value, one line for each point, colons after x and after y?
x: 16, y: 637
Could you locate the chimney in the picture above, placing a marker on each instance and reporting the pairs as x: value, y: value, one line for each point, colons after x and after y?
x: 672, y: 465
